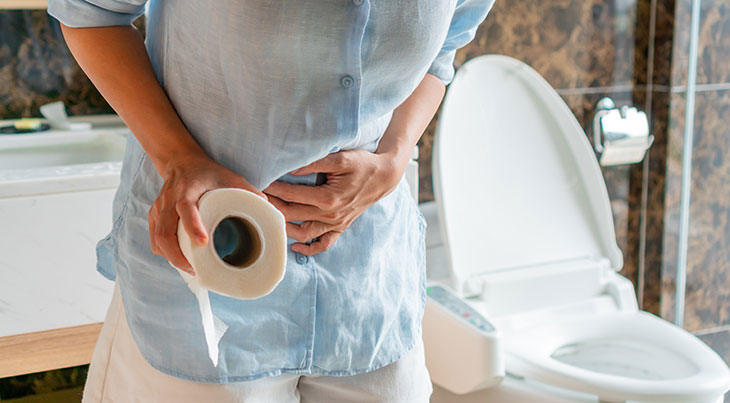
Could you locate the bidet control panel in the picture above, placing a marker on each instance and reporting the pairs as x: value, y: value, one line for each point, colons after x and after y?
x: 463, y: 350
x: 458, y: 307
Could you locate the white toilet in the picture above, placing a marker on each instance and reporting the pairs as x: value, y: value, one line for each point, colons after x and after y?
x: 522, y: 234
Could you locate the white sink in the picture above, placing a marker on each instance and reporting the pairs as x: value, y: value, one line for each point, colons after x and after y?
x: 56, y: 193
x: 59, y: 149
x: 53, y: 161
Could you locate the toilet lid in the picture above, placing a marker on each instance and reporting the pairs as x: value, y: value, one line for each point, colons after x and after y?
x: 516, y: 182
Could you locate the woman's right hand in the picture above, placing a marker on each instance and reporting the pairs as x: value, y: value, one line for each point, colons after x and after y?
x: 187, y: 178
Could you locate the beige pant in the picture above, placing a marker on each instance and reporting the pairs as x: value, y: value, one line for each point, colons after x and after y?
x: 119, y: 373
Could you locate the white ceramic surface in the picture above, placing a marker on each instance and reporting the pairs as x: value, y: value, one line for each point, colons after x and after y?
x: 56, y: 192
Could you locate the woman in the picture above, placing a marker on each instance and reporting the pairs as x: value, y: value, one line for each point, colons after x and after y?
x: 262, y: 95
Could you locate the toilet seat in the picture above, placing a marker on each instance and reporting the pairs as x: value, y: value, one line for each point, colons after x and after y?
x: 518, y: 190
x: 646, y: 346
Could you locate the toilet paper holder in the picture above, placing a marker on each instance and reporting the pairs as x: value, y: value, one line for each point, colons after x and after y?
x: 620, y: 135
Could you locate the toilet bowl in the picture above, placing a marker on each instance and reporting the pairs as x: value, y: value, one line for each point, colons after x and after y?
x: 620, y: 357
x: 522, y: 231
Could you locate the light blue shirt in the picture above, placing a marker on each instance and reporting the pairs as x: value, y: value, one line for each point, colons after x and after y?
x: 267, y: 86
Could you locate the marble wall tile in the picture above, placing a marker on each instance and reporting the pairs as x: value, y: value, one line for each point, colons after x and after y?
x: 713, y: 64
x: 652, y: 290
x: 663, y: 42
x: 642, y: 37
x: 670, y: 64
x: 36, y: 68
x: 707, y: 299
x: 573, y: 43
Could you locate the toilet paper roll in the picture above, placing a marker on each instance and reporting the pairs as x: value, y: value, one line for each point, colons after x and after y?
x: 245, y: 257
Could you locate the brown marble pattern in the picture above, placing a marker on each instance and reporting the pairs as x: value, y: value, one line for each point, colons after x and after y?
x: 713, y: 64
x: 652, y: 290
x: 707, y: 297
x: 672, y: 193
x: 573, y: 43
x: 652, y: 96
x: 36, y: 68
x: 663, y: 41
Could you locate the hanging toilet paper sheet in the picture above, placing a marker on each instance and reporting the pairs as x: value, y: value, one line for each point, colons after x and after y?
x: 245, y: 257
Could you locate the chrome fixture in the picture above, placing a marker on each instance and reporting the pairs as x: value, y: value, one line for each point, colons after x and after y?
x: 620, y: 135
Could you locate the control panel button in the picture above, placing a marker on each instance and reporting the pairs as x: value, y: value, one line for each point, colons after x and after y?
x: 459, y: 307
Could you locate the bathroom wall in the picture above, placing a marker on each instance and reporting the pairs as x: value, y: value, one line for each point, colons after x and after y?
x: 36, y: 68
x: 707, y: 300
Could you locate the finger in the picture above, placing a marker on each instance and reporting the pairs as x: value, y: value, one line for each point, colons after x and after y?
x: 166, y: 238
x: 278, y: 203
x: 307, y: 230
x: 151, y: 223
x: 193, y: 224
x: 331, y: 163
x: 303, y: 212
x: 312, y: 195
x: 319, y: 246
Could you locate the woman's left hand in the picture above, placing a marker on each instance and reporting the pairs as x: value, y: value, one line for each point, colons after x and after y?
x: 355, y: 180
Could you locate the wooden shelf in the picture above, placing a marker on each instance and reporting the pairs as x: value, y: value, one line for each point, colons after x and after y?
x: 23, y: 4
x: 46, y: 350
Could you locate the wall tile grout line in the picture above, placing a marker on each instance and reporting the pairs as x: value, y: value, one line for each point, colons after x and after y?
x: 674, y: 89
x: 701, y: 87
x: 712, y: 330
x: 596, y: 90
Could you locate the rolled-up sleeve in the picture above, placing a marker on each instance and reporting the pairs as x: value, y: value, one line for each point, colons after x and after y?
x: 467, y: 17
x: 95, y: 13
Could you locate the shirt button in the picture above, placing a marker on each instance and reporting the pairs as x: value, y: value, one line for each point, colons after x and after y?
x: 357, y: 2
x: 301, y: 259
x: 347, y: 81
